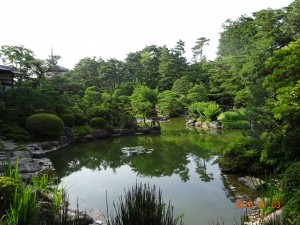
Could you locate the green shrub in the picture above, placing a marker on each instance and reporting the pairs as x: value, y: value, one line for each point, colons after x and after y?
x: 291, y: 211
x: 80, y: 120
x: 59, y: 108
x: 11, y: 130
x: 212, y: 111
x: 7, y: 191
x: 97, y: 111
x: 81, y: 130
x: 241, y: 156
x: 127, y: 121
x: 45, y: 125
x: 109, y: 128
x: 230, y: 116
x: 21, y: 138
x: 204, y: 111
x: 69, y: 120
x: 196, y: 110
x: 243, y: 124
x: 291, y: 181
x: 98, y: 122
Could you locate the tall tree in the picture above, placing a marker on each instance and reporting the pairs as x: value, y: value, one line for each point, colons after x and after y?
x: 143, y: 100
x: 291, y: 21
x: 111, y: 74
x: 198, y: 49
x: 86, y: 71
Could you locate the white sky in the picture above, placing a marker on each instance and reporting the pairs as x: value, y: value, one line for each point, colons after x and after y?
x: 112, y: 28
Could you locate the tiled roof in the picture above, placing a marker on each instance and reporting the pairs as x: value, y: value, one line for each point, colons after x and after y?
x: 9, y: 69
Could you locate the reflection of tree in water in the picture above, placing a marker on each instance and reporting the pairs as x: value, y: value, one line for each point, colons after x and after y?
x: 169, y: 155
x: 202, y: 170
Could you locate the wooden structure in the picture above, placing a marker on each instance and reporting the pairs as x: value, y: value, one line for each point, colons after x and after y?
x: 7, y: 77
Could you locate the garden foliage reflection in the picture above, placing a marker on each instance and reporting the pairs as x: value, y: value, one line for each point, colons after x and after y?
x: 150, y: 156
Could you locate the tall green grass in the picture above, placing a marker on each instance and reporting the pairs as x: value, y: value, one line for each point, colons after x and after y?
x: 143, y: 205
x: 40, y: 202
x: 234, y: 119
x: 237, y: 115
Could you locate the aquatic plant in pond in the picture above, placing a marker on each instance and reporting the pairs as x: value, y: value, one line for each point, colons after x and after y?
x: 143, y: 205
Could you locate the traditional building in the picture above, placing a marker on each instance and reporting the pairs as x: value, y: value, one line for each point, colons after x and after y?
x: 7, y: 77
x: 55, y: 71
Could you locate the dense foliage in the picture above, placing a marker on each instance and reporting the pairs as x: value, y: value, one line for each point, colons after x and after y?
x: 7, y: 192
x: 254, y: 81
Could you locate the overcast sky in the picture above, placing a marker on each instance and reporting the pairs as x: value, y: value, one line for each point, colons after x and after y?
x: 112, y: 28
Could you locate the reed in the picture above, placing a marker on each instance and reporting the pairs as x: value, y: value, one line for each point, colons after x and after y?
x: 143, y: 205
x: 24, y: 209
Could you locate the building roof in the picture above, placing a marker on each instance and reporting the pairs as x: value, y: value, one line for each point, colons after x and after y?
x: 8, y: 69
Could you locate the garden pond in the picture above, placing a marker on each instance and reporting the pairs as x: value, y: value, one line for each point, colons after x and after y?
x: 181, y: 161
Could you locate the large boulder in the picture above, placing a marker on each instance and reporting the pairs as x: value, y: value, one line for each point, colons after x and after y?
x: 99, y: 133
x: 67, y: 132
x: 252, y: 182
x: 50, y: 145
x: 122, y: 132
x: 190, y: 123
x: 214, y: 125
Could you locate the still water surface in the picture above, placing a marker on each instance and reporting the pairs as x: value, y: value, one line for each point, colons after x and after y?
x: 180, y: 161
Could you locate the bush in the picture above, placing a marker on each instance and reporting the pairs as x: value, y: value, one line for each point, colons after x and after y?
x: 45, y: 125
x: 196, y: 110
x: 168, y: 104
x: 68, y: 119
x: 291, y: 211
x: 241, y: 156
x: 11, y: 130
x: 98, y: 122
x: 143, y: 205
x: 243, y: 124
x: 205, y: 111
x: 97, y: 111
x: 80, y: 120
x: 291, y: 181
x: 7, y: 192
x: 21, y: 138
x: 81, y: 131
x: 212, y: 111
x: 230, y: 116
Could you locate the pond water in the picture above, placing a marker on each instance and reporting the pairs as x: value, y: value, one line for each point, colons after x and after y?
x: 180, y: 161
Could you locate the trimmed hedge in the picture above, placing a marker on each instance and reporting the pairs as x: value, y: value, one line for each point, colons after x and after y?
x: 45, y: 125
x: 80, y: 120
x: 69, y: 120
x: 98, y: 122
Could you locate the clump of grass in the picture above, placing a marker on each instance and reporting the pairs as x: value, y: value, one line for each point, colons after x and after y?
x: 234, y: 119
x: 271, y: 197
x: 31, y: 204
x: 143, y: 205
x: 24, y: 209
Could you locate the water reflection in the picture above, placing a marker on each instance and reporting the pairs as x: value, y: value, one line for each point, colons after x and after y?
x: 149, y: 156
x: 181, y: 161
